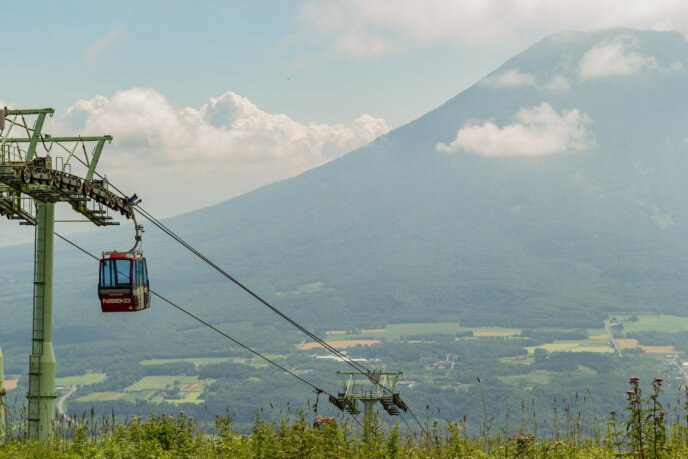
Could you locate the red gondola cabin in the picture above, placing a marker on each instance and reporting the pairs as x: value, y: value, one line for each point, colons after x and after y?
x: 123, y: 285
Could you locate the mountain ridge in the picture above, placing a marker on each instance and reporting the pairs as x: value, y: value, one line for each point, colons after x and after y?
x: 399, y: 231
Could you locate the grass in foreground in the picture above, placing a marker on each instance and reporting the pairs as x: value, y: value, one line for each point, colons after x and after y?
x: 170, y: 437
x: 179, y: 437
x: 641, y: 431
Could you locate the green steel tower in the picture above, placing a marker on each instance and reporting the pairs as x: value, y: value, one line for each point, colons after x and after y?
x: 2, y: 401
x: 30, y: 186
x: 369, y: 388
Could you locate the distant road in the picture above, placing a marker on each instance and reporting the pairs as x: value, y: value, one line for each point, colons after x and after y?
x: 611, y: 337
x: 59, y: 406
x: 678, y: 365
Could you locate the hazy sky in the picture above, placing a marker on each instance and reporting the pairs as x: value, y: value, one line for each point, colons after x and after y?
x: 210, y: 99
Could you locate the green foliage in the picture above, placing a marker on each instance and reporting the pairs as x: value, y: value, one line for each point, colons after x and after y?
x: 642, y: 432
x: 181, y: 437
x: 646, y: 421
x: 548, y: 335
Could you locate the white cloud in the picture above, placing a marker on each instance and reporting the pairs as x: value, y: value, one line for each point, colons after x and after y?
x: 201, y: 155
x: 514, y: 78
x: 558, y: 83
x: 96, y: 48
x: 536, y: 131
x: 615, y: 58
x: 510, y: 78
x: 227, y: 129
x: 387, y: 25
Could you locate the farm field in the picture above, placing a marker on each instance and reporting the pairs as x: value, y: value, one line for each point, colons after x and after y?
x: 626, y: 343
x: 100, y: 397
x: 200, y: 361
x: 441, y: 357
x: 189, y: 397
x: 397, y: 331
x: 527, y: 380
x: 574, y: 346
x: 187, y: 389
x: 659, y: 350
x: 80, y: 380
x: 595, y: 332
x: 340, y: 344
x: 495, y: 332
x: 203, y: 361
x: 665, y: 323
x: 602, y: 337
x: 159, y: 382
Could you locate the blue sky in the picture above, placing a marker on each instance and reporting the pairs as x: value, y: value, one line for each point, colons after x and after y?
x: 222, y: 97
x: 190, y: 51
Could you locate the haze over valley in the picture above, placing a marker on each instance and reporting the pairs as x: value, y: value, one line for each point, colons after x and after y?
x: 523, y: 241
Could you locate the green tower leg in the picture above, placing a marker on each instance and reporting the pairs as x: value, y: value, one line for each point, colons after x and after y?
x: 42, y: 361
x: 369, y: 404
x: 2, y: 401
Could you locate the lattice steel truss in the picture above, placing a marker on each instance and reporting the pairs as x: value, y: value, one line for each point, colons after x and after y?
x: 31, y: 183
x: 369, y: 388
x: 25, y: 176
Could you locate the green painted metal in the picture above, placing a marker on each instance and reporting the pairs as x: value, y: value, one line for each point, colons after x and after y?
x: 37, y: 127
x: 96, y: 156
x: 368, y: 388
x: 98, y: 149
x: 2, y: 400
x: 368, y: 412
x: 36, y: 136
x: 42, y: 365
x: 30, y: 111
x: 49, y: 138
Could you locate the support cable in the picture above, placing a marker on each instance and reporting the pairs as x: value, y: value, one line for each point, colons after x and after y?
x: 413, y: 431
x: 343, y: 357
x: 225, y: 335
x: 362, y: 369
x: 357, y: 366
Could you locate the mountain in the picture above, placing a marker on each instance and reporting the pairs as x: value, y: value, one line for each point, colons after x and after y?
x: 550, y: 193
x: 492, y: 233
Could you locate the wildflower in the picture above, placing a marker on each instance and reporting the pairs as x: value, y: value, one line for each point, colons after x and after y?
x: 612, y: 413
x: 634, y: 380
